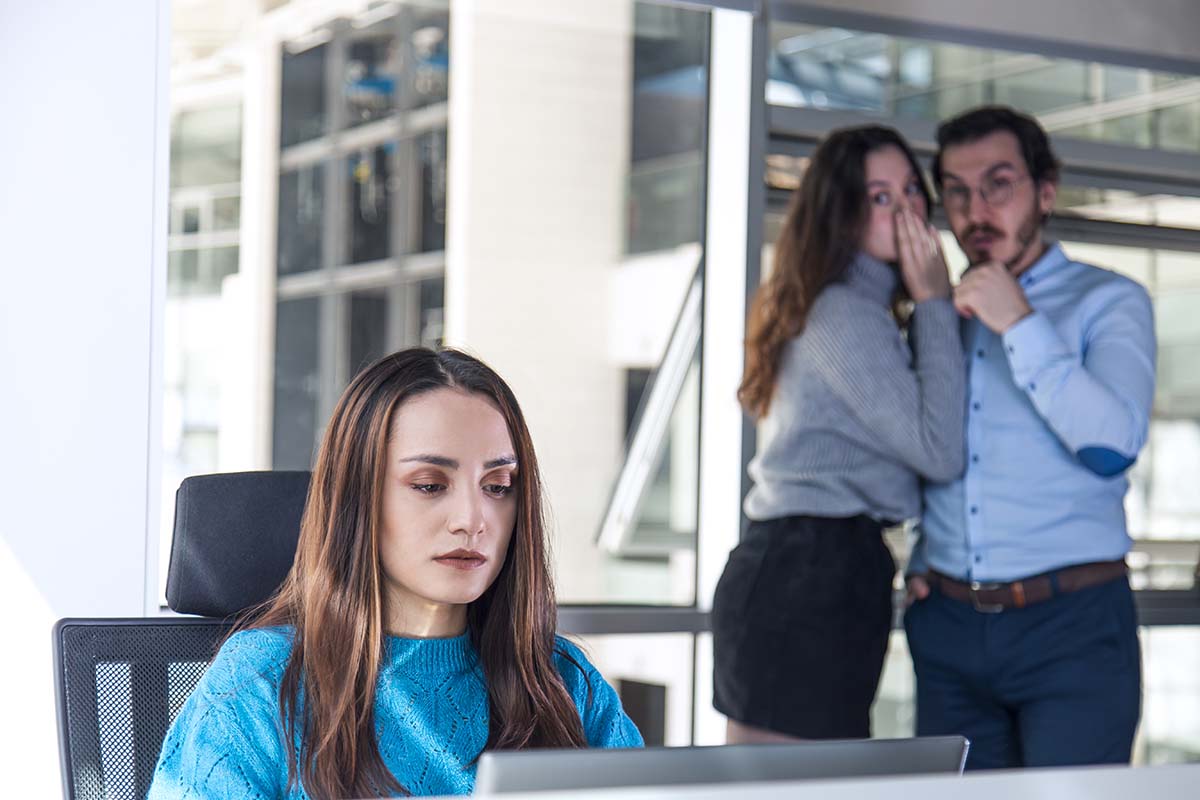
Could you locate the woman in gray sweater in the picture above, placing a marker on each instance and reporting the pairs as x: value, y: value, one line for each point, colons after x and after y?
x: 855, y: 409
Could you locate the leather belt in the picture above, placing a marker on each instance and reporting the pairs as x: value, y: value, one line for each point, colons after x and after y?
x: 992, y: 598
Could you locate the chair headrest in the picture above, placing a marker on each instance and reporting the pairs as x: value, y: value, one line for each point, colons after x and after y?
x: 235, y: 539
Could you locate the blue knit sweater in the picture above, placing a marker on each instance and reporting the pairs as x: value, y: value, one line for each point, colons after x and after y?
x: 431, y: 718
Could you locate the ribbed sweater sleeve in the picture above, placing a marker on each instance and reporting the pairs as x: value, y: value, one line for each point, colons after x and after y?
x: 913, y: 405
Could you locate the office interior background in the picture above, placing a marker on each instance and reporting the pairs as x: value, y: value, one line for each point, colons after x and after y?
x: 216, y: 211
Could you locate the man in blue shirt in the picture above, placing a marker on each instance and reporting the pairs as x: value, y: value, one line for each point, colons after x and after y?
x: 1021, y: 621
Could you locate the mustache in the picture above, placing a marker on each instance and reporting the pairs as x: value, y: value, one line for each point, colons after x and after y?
x: 983, y: 228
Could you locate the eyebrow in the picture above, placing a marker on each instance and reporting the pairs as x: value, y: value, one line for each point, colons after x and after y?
x: 450, y: 463
x: 988, y: 171
x: 887, y: 184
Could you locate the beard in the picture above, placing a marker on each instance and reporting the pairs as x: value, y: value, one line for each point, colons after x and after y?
x: 1027, y: 234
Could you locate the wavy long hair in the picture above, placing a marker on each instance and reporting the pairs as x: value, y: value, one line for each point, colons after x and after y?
x: 333, y: 595
x: 821, y: 233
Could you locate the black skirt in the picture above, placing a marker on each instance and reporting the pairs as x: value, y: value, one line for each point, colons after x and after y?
x: 801, y: 618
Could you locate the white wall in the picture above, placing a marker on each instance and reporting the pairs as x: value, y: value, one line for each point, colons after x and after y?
x: 82, y: 194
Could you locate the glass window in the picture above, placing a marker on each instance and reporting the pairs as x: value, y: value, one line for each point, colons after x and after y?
x: 370, y: 75
x: 206, y: 146
x: 301, y: 212
x: 429, y: 42
x: 431, y: 157
x: 297, y: 384
x: 897, y: 76
x: 369, y: 178
x: 431, y: 313
x: 226, y: 213
x: 1170, y: 728
x: 582, y: 216
x: 670, y: 74
x: 368, y: 328
x: 302, y: 105
x: 1116, y: 205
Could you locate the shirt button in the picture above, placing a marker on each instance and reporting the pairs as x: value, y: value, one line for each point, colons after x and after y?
x: 974, y: 509
x: 975, y: 406
x: 979, y: 353
x: 1033, y: 387
x: 978, y: 558
x: 1011, y: 349
x: 975, y: 458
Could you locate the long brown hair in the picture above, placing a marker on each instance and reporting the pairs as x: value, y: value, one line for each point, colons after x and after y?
x: 821, y: 233
x: 333, y: 595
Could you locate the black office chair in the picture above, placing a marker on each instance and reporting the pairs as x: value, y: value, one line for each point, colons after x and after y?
x: 120, y: 682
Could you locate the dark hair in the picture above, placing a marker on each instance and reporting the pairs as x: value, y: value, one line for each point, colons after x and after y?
x: 333, y: 595
x: 821, y: 233
x: 971, y: 125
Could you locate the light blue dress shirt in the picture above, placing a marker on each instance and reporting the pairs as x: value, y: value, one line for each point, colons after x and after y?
x: 1057, y: 410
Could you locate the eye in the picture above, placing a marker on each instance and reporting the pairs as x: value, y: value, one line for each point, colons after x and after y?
x: 429, y: 488
x: 498, y: 489
x: 956, y: 195
x: 913, y: 189
x: 882, y: 199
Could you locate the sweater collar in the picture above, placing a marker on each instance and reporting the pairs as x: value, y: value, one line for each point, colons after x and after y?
x: 872, y: 277
x: 453, y: 654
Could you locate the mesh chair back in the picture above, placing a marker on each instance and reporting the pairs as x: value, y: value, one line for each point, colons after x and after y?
x: 119, y: 684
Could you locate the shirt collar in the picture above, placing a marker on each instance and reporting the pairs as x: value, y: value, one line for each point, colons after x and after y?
x: 1051, y: 260
x: 872, y: 277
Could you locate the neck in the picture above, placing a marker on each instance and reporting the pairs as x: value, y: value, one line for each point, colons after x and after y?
x: 422, y: 619
x: 1034, y: 248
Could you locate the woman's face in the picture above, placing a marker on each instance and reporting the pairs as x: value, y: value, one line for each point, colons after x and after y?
x: 449, y: 508
x: 891, y: 185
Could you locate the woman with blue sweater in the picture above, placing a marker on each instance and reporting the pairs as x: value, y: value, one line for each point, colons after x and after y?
x: 416, y: 627
x: 854, y: 413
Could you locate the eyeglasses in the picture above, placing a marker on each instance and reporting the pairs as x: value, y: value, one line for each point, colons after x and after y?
x: 995, y: 192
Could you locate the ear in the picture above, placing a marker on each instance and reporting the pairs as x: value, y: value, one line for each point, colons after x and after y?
x: 1047, y: 194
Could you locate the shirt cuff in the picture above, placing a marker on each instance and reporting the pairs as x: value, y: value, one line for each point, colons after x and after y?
x: 1030, y: 345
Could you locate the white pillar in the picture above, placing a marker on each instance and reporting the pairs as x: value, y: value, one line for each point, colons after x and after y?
x: 538, y: 154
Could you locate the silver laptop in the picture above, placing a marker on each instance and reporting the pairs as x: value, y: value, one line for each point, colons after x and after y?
x: 544, y: 770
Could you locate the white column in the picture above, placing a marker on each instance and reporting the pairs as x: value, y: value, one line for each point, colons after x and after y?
x: 724, y: 325
x: 538, y: 154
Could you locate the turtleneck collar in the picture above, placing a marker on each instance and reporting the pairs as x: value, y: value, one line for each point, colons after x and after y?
x: 872, y: 277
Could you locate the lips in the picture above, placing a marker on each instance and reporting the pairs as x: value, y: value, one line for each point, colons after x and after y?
x: 462, y: 559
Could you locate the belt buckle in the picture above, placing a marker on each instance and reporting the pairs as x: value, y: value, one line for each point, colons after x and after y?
x: 984, y: 608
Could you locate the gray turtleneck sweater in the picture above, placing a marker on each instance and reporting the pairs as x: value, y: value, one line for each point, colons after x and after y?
x: 858, y: 418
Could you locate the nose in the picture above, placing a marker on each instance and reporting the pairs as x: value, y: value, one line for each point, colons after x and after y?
x: 466, y: 514
x: 977, y: 211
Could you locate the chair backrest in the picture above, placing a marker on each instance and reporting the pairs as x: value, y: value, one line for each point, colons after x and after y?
x: 235, y: 538
x: 120, y: 682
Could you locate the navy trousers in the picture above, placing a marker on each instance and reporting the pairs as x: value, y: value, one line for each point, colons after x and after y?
x: 1057, y: 683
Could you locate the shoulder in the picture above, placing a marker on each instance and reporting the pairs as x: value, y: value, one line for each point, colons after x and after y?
x: 250, y: 663
x: 1097, y: 281
x: 842, y: 319
x: 605, y: 723
x: 572, y: 663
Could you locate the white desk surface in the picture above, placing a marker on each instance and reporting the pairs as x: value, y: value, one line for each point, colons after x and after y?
x: 1092, y: 783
